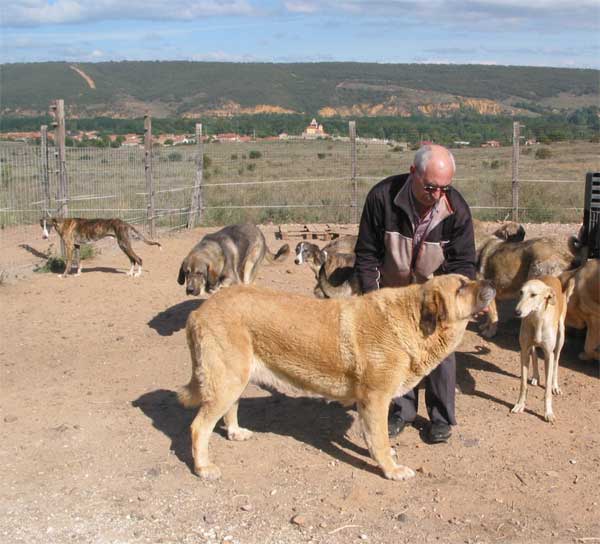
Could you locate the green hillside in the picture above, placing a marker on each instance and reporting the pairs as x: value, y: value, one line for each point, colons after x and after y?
x: 177, y: 88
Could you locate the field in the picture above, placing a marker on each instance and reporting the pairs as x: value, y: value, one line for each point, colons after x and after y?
x: 96, y: 450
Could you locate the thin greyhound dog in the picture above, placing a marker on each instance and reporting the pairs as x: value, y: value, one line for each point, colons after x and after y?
x: 543, y: 307
x: 74, y: 231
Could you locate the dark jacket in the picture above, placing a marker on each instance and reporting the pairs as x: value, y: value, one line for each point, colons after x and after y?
x: 384, y: 250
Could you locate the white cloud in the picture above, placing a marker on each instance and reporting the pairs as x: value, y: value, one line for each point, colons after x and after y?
x: 42, y: 12
x: 301, y: 7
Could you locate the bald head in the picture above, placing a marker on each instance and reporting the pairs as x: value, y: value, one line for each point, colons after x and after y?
x: 432, y: 171
x: 435, y: 156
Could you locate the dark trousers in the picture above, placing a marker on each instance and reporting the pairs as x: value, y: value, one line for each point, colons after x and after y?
x: 440, y: 390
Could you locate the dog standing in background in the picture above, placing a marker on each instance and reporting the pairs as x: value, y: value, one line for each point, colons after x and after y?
x: 75, y: 231
x: 226, y: 257
x: 543, y: 308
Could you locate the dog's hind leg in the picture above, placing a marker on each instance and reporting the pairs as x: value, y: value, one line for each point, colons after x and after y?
x: 221, y: 404
x: 525, y: 354
x: 234, y: 431
x: 560, y: 340
x: 68, y: 260
x: 373, y: 413
x: 134, y: 259
x: 78, y: 259
x: 549, y: 360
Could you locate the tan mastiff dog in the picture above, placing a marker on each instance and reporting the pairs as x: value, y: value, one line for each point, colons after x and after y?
x: 362, y: 350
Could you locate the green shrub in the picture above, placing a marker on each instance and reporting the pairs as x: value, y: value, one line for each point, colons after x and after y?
x: 543, y: 153
x: 175, y: 156
x: 251, y: 167
x: 321, y: 155
x: 234, y: 156
x: 254, y: 154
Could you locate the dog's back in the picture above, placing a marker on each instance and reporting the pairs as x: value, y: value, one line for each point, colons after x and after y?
x: 337, y: 277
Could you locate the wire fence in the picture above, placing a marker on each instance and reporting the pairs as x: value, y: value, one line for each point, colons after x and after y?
x: 287, y: 181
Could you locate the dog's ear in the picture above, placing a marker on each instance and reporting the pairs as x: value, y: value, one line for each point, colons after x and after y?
x: 181, y: 276
x: 551, y: 297
x: 212, y: 278
x: 433, y: 310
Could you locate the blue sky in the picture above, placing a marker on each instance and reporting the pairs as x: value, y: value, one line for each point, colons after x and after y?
x: 516, y: 32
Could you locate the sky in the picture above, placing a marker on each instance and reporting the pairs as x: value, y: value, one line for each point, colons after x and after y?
x: 504, y: 32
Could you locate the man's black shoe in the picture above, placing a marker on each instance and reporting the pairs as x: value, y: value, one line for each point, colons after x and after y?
x: 395, y: 425
x: 439, y: 432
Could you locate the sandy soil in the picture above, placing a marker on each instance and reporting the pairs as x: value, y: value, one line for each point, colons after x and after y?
x: 95, y: 448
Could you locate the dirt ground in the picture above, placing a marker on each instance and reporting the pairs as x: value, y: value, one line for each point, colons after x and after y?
x: 95, y: 448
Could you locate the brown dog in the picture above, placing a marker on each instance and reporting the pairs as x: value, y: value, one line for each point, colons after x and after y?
x: 75, y: 231
x: 362, y: 350
x: 583, y: 310
x: 508, y: 265
x: 226, y: 257
x: 307, y: 252
x: 336, y: 278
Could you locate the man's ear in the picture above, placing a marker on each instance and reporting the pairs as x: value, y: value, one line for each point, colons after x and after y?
x: 433, y: 310
x: 181, y: 276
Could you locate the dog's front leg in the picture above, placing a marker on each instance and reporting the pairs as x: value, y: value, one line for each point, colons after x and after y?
x: 535, y: 368
x: 373, y: 415
x: 520, y: 406
x: 560, y: 340
x: 549, y: 360
x: 68, y: 259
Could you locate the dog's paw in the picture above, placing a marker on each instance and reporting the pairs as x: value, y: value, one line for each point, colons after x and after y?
x: 550, y: 417
x: 208, y: 472
x: 556, y: 390
x: 399, y: 472
x: 533, y: 381
x: 518, y: 408
x: 238, y: 434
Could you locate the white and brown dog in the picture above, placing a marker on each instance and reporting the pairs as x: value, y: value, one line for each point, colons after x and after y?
x: 543, y: 307
x: 75, y: 231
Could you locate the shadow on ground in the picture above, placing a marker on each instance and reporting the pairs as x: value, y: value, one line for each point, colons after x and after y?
x: 173, y: 319
x: 316, y: 422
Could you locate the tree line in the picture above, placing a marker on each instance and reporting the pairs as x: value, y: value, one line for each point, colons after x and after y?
x: 582, y: 124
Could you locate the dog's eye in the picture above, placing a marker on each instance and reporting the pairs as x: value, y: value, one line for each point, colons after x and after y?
x: 532, y: 295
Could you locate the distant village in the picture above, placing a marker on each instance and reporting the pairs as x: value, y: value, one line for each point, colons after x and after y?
x: 313, y: 131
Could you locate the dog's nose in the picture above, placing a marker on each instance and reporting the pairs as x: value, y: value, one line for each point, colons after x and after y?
x: 518, y: 312
x: 297, y: 261
x: 189, y: 291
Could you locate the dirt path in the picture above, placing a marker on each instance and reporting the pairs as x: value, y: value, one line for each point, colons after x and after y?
x: 95, y: 448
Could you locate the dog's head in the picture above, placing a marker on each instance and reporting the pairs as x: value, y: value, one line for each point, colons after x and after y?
x: 307, y: 252
x: 451, y: 299
x: 47, y: 223
x: 535, y: 295
x: 198, y: 276
x: 510, y: 232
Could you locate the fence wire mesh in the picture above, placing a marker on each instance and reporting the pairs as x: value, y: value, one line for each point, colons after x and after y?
x: 289, y: 181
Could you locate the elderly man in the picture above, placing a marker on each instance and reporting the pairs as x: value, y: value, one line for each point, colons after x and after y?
x: 414, y: 226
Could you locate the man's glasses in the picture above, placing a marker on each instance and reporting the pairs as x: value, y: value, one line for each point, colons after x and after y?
x: 431, y: 189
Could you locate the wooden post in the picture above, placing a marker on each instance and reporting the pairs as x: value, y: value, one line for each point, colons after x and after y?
x: 58, y: 111
x: 197, y: 203
x: 515, y: 171
x: 44, y: 162
x: 150, y: 216
x: 59, y: 142
x: 354, y: 204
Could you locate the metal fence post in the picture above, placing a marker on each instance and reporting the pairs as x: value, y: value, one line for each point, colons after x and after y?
x: 45, y: 176
x: 196, y: 204
x: 150, y: 216
x: 515, y: 171
x: 354, y: 204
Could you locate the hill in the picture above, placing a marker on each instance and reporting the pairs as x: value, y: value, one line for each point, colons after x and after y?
x: 195, y: 89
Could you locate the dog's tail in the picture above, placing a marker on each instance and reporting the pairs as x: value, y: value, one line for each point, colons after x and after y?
x: 142, y: 237
x: 281, y: 254
x: 190, y: 395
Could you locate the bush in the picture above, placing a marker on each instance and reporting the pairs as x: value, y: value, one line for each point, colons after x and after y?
x: 175, y: 156
x: 254, y: 154
x: 234, y: 156
x: 543, y: 153
x: 251, y: 167
x: 321, y: 155
x: 495, y: 164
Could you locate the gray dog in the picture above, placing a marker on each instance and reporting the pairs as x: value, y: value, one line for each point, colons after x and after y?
x: 229, y: 256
